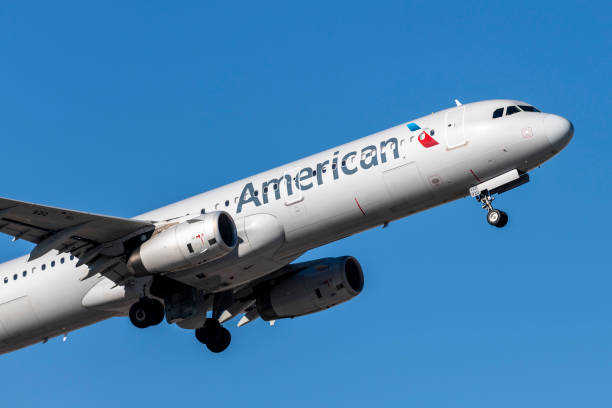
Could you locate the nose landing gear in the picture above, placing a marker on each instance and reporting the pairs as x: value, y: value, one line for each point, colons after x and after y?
x: 497, y: 185
x: 497, y: 218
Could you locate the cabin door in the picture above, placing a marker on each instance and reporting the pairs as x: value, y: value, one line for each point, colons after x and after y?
x: 455, y: 135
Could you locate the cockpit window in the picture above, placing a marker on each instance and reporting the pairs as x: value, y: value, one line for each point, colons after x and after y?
x: 498, y: 113
x: 528, y: 108
x: 511, y: 110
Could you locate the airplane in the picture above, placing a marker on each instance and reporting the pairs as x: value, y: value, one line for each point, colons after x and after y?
x: 230, y: 252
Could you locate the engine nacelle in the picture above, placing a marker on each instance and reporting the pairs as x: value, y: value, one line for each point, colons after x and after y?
x: 323, y: 284
x: 189, y: 243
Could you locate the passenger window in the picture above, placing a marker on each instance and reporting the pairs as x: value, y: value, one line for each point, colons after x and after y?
x: 71, y: 257
x: 62, y: 260
x: 498, y: 113
x: 43, y: 267
x: 52, y: 264
x: 15, y: 277
x: 511, y: 110
x: 527, y: 108
x: 6, y: 279
x: 24, y: 273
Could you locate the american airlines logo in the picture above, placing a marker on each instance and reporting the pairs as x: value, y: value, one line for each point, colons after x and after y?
x: 424, y: 138
x: 326, y: 171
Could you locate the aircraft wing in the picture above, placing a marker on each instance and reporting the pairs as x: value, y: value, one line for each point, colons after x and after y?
x: 87, y: 236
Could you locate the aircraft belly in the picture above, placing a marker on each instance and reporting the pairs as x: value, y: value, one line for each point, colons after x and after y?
x: 18, y: 319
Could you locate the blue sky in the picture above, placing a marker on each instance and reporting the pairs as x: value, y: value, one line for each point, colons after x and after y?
x: 120, y: 108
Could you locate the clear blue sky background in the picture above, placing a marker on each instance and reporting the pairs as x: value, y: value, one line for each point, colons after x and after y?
x: 120, y: 108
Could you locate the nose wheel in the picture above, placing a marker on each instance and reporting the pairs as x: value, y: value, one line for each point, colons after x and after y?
x: 496, y: 218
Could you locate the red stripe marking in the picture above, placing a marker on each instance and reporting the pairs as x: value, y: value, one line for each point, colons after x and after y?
x: 475, y: 176
x: 359, y: 206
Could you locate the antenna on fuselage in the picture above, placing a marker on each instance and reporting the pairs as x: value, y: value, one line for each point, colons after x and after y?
x: 457, y: 102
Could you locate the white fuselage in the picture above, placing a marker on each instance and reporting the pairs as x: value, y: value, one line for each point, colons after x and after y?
x: 313, y: 201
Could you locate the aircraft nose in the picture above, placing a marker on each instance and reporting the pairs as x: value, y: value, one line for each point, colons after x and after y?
x: 558, y: 130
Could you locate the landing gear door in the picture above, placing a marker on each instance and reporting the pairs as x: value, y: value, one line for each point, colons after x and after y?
x: 453, y: 120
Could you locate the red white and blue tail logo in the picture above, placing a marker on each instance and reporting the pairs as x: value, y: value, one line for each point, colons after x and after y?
x: 424, y: 138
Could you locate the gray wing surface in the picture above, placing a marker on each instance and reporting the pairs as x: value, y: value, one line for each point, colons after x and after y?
x: 86, y: 235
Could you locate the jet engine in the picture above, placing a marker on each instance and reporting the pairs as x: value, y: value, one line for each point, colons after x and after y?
x: 320, y: 285
x: 186, y: 244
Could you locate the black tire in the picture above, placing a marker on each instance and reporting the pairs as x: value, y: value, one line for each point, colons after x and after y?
x: 141, y: 314
x: 204, y: 333
x: 503, y: 221
x: 219, y: 340
x: 158, y: 310
x: 494, y: 217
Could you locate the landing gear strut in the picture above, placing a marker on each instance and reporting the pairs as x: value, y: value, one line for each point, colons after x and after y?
x: 216, y: 337
x: 146, y: 312
x: 497, y: 218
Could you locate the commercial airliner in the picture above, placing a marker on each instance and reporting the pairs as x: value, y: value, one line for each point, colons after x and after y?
x: 230, y: 252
